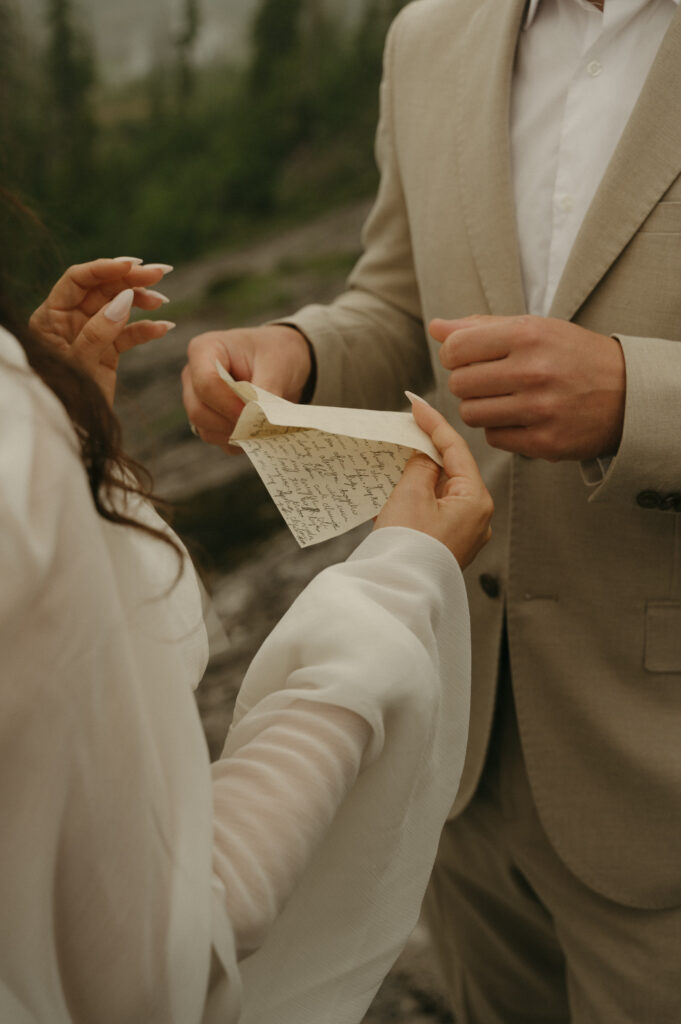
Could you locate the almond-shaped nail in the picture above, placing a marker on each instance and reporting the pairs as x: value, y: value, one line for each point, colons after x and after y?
x: 168, y: 324
x: 155, y: 294
x: 119, y: 307
x: 135, y: 260
x: 165, y: 267
x: 415, y: 398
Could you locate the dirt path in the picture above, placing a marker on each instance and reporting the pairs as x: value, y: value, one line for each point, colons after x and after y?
x: 333, y: 232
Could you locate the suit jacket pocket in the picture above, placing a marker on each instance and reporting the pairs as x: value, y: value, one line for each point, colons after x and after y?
x: 663, y: 636
x: 664, y: 219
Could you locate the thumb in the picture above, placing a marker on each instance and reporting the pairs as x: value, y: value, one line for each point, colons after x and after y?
x: 441, y: 329
x: 420, y: 476
x: 101, y: 330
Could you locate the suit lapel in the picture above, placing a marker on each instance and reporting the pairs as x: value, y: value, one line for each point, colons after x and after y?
x: 645, y: 163
x: 484, y: 150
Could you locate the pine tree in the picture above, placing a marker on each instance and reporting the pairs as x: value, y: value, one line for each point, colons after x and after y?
x: 184, y: 42
x: 70, y: 68
x: 22, y: 137
x: 276, y: 33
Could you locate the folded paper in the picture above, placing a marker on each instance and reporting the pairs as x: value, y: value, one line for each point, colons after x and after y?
x: 326, y: 469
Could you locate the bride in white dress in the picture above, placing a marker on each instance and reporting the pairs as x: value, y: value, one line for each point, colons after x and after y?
x: 138, y: 882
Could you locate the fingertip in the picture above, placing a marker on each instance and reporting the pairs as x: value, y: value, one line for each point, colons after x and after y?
x: 165, y: 268
x: 440, y: 329
x: 425, y: 415
x: 150, y: 293
x: 437, y: 329
x: 415, y: 398
x: 119, y: 307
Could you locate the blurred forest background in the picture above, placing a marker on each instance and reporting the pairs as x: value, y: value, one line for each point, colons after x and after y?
x: 234, y: 139
x: 188, y: 124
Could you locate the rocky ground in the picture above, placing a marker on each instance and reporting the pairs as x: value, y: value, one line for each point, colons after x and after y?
x: 252, y: 567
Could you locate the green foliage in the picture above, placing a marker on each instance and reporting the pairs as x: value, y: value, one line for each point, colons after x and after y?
x: 190, y: 158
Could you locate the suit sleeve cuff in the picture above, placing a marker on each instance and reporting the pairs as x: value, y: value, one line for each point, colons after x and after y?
x: 646, y: 471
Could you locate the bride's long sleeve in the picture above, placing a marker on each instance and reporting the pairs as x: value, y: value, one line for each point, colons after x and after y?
x: 368, y: 672
x: 273, y: 800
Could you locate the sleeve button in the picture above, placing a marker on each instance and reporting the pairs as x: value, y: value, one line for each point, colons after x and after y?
x: 648, y: 499
x: 671, y: 502
x: 490, y: 584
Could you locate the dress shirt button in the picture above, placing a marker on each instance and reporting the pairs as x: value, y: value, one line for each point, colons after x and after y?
x: 671, y: 502
x: 566, y: 204
x: 490, y: 584
x: 648, y: 499
x: 594, y: 68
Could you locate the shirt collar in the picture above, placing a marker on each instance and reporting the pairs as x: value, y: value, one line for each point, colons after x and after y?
x: 534, y: 4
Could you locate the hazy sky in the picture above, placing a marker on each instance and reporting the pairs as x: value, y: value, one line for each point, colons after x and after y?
x: 130, y: 33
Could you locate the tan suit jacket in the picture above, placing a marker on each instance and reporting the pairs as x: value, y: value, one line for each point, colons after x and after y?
x: 589, y: 578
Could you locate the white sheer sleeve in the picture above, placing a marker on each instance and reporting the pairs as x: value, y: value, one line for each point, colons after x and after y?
x: 274, y: 799
x: 385, y: 637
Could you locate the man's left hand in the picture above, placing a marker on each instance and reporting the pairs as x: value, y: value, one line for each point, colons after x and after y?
x: 539, y: 387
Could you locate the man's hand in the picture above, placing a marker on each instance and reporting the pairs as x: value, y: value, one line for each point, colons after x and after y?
x: 453, y: 505
x: 539, y: 387
x: 274, y: 357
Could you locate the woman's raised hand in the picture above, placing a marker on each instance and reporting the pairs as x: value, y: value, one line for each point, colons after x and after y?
x: 453, y: 505
x: 85, y: 316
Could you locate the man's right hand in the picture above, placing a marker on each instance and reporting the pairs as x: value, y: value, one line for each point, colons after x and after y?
x: 275, y: 357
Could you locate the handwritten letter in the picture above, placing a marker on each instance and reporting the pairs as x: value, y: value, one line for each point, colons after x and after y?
x: 327, y: 470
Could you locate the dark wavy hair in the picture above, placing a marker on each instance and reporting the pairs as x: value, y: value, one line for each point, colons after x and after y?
x: 109, y: 470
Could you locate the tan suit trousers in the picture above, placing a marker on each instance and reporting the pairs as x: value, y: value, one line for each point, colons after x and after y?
x: 520, y: 939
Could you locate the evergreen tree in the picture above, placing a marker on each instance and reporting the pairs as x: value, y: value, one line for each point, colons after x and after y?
x: 22, y: 136
x: 70, y: 67
x: 275, y: 39
x: 185, y: 41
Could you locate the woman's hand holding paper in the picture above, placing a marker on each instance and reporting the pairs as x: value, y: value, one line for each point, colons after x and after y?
x: 452, y: 505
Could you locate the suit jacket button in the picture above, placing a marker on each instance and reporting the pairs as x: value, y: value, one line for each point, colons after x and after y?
x: 671, y: 501
x: 648, y: 499
x: 490, y: 584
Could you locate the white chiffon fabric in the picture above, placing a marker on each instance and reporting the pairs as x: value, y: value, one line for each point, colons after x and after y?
x: 124, y: 867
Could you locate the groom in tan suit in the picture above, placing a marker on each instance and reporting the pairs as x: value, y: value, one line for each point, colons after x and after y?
x: 530, y: 158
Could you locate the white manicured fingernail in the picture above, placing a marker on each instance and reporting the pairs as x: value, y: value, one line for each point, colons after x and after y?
x: 165, y: 267
x: 415, y: 398
x: 119, y: 307
x: 155, y: 295
x: 128, y: 259
x: 168, y: 324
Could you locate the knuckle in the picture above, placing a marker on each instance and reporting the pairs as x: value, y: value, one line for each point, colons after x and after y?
x: 529, y: 326
x: 537, y: 372
x: 539, y: 407
x: 469, y: 413
x: 199, y: 342
x: 90, y: 335
x: 542, y: 443
x: 457, y: 384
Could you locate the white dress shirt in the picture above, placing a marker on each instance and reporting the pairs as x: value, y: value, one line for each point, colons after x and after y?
x: 578, y: 74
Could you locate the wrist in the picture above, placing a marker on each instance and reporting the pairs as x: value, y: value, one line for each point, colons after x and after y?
x: 303, y: 362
